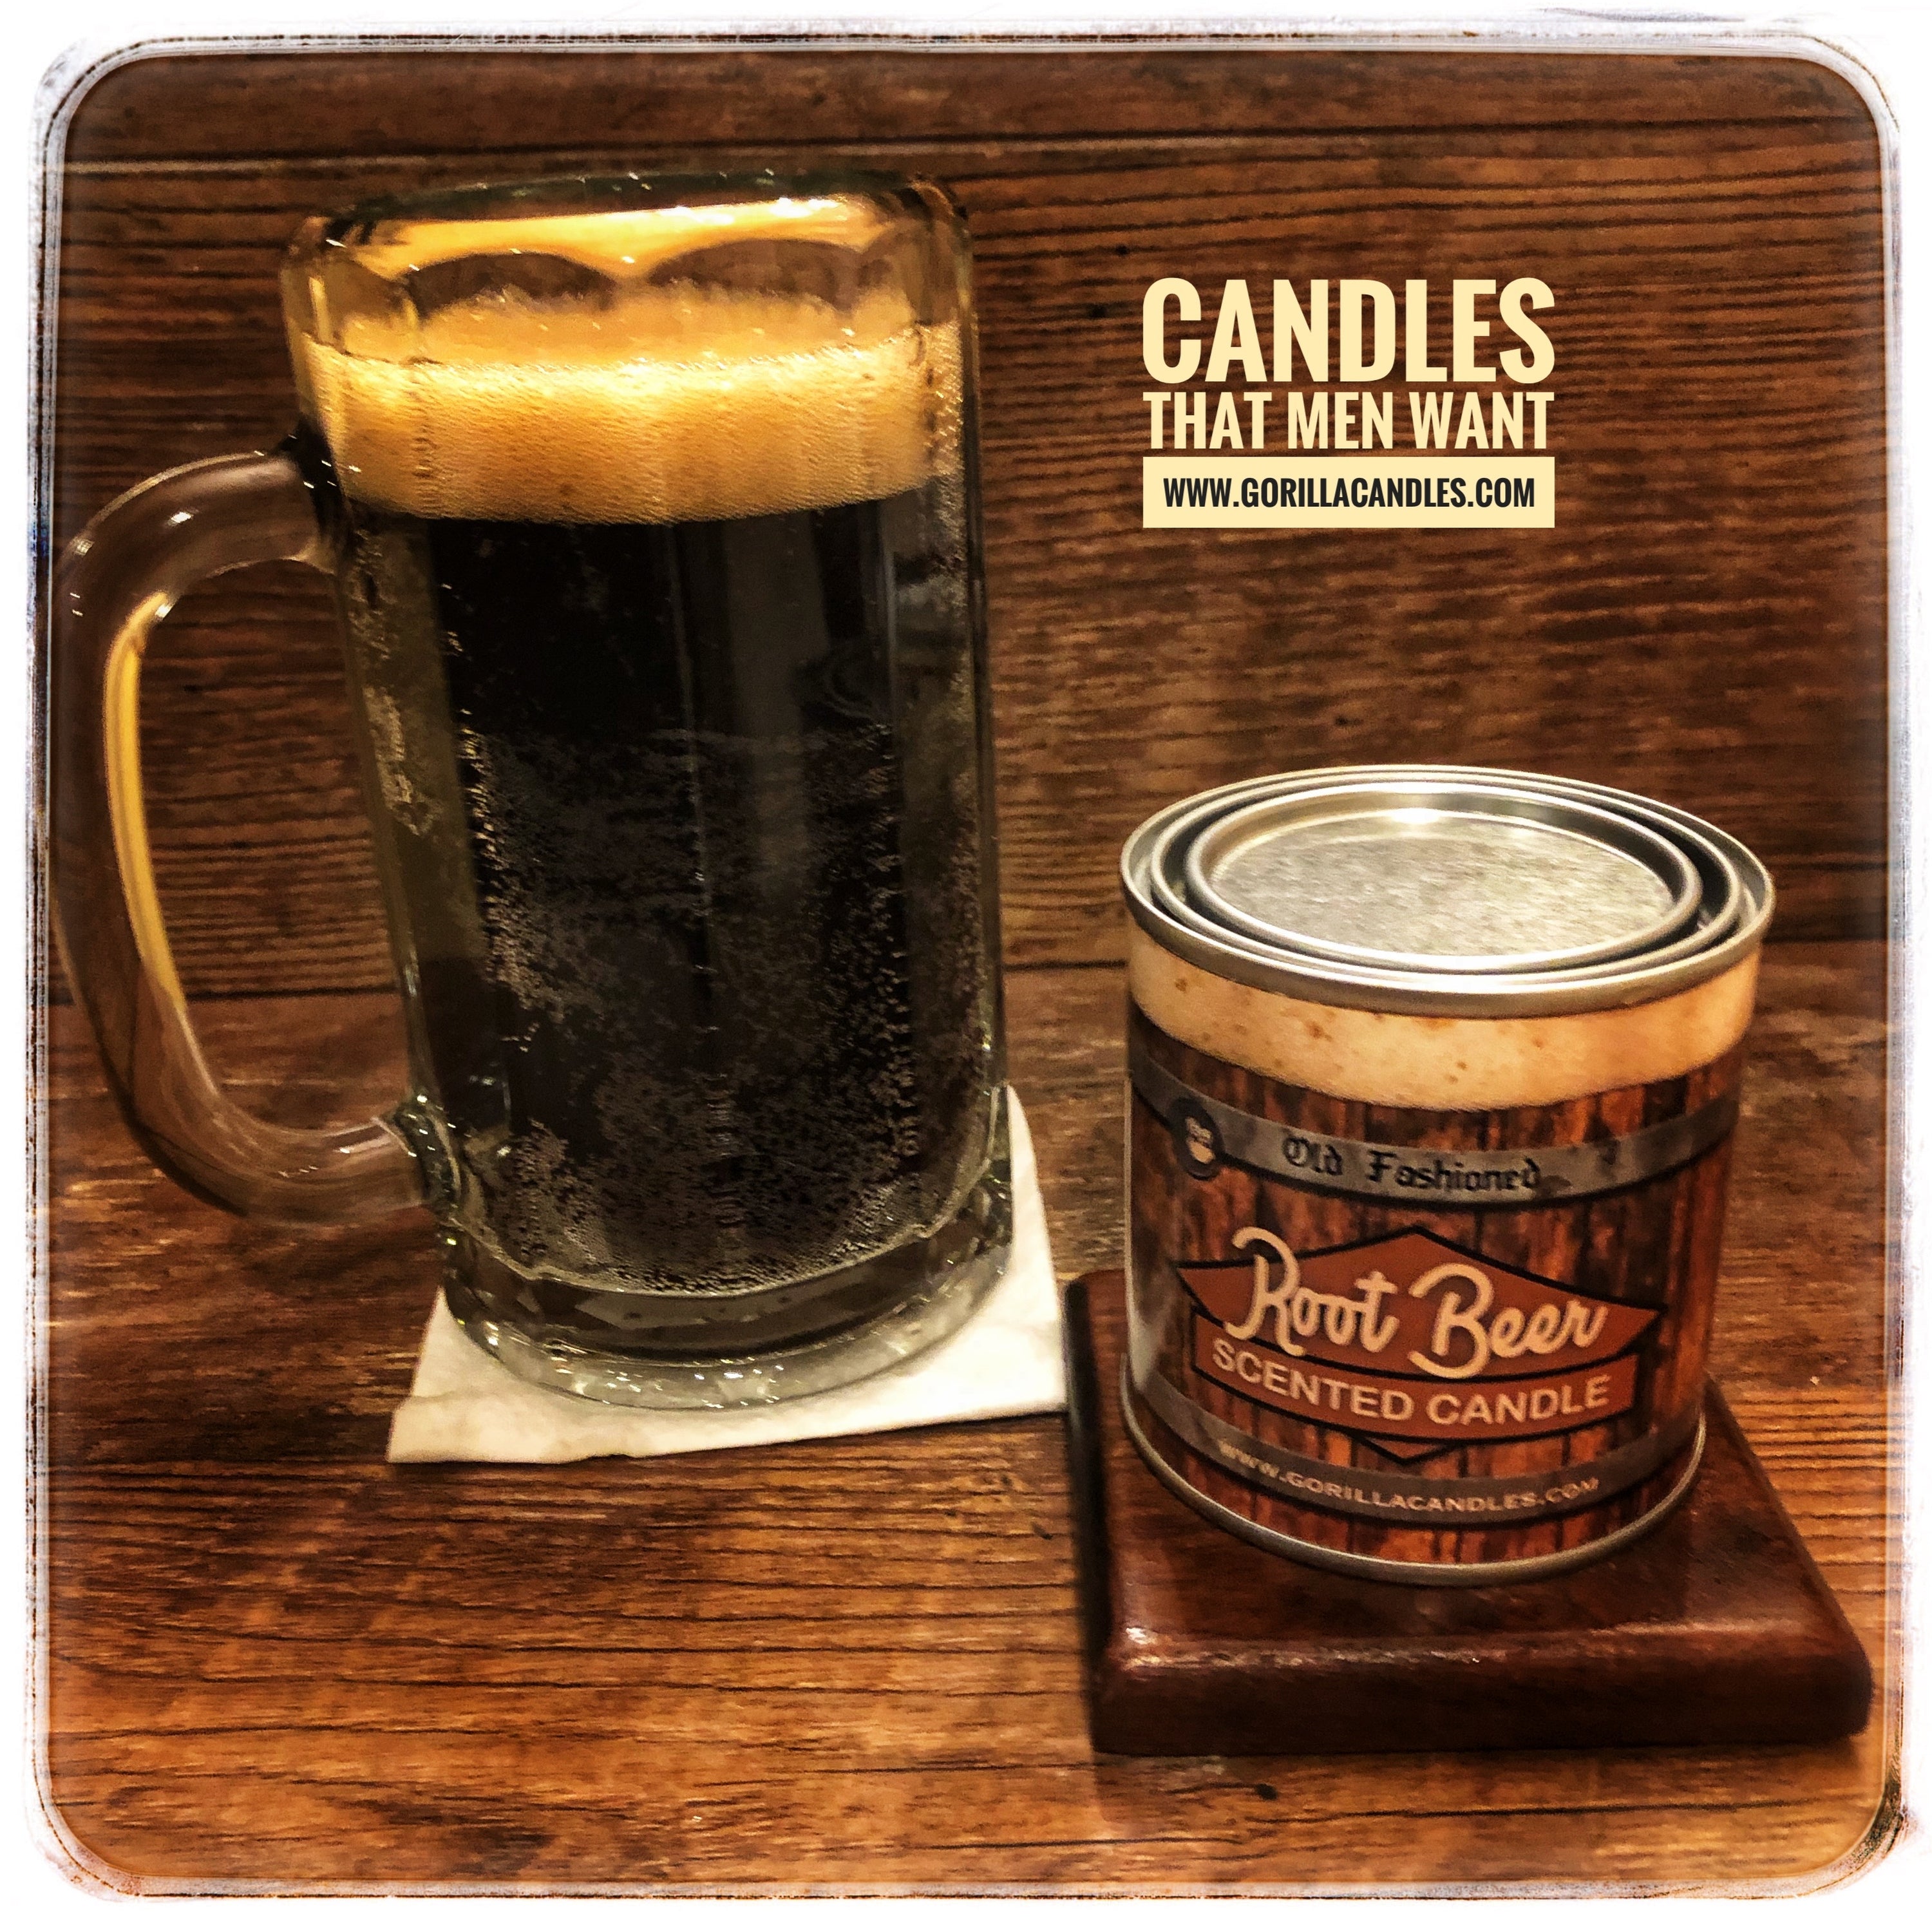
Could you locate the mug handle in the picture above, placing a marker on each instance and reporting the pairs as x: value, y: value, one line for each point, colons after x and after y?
x: 120, y: 577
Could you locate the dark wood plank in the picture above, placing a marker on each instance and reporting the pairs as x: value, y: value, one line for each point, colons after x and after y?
x: 1707, y: 624
x: 260, y: 105
x: 272, y: 1660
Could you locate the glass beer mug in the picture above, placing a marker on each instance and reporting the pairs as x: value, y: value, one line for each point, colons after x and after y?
x: 652, y: 508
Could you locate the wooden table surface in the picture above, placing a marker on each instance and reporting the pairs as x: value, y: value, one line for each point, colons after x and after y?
x: 272, y: 1661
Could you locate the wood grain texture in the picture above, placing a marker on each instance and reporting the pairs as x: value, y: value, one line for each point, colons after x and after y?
x: 262, y: 105
x: 271, y: 1660
x: 1714, y: 1628
x: 1654, y: 1245
x: 1706, y: 624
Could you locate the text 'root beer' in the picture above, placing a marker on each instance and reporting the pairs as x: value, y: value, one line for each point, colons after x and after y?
x: 1433, y: 1073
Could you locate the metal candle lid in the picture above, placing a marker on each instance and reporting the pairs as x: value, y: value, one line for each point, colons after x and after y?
x: 1421, y: 876
x: 1446, y: 890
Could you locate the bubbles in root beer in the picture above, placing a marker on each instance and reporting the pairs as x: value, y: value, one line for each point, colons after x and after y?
x: 661, y: 615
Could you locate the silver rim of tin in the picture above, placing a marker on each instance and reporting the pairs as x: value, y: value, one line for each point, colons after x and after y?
x: 1724, y: 897
x: 1737, y: 903
x: 1218, y: 849
x: 1723, y: 901
x: 1383, y: 1569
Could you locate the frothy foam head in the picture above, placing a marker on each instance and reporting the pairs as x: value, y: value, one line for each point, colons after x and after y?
x: 589, y: 369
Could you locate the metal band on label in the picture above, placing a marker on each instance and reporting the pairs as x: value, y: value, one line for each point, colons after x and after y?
x: 1387, y: 1496
x: 1470, y: 1177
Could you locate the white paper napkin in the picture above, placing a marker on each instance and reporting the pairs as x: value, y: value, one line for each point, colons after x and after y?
x: 464, y: 1407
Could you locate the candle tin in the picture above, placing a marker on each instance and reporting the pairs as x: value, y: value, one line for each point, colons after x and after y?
x: 1433, y: 1072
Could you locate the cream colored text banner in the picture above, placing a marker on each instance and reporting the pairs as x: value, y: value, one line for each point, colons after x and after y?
x: 1349, y: 492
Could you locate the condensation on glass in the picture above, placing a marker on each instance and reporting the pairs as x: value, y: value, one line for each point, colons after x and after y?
x: 652, y: 508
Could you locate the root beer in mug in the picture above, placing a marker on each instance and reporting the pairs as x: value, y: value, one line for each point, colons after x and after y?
x: 1432, y: 1077
x: 652, y: 508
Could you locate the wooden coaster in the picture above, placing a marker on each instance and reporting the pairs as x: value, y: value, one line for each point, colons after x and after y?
x: 1715, y: 1628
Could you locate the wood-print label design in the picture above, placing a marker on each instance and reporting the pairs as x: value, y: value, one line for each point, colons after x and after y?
x: 1436, y: 1337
